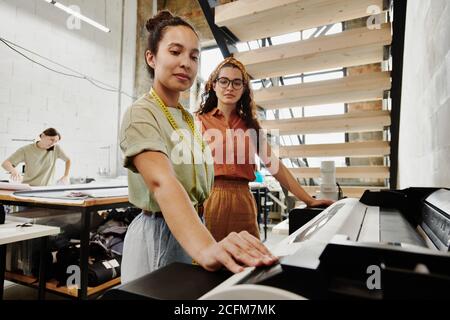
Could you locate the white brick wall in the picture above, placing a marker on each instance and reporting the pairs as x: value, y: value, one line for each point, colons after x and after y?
x: 32, y: 98
x: 424, y: 153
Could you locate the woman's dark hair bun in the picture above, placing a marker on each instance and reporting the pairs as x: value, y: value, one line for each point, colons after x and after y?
x: 153, y: 22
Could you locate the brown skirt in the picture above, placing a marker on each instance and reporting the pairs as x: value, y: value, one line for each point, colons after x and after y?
x: 231, y: 207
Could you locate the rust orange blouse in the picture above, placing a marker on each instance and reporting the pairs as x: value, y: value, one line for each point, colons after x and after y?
x: 231, y: 145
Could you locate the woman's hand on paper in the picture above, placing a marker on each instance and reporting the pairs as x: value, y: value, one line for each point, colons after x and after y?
x: 320, y: 203
x: 15, y: 177
x: 63, y: 181
x: 237, y: 251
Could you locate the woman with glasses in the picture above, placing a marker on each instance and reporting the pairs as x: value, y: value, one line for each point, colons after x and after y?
x: 232, y: 130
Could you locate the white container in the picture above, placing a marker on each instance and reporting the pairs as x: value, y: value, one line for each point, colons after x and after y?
x: 328, y: 187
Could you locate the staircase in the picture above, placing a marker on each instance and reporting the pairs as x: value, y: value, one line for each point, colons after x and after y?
x: 249, y: 20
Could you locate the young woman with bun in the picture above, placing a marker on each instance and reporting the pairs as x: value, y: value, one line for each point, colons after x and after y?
x: 171, y: 192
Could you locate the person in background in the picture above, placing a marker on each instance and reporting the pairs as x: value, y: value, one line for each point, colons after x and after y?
x: 171, y: 192
x: 40, y: 161
x: 228, y: 110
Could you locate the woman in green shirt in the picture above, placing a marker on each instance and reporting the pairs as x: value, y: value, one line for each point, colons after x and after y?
x: 170, y: 167
x: 40, y: 161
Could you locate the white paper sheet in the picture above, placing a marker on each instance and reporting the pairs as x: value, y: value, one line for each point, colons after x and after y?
x: 14, y: 186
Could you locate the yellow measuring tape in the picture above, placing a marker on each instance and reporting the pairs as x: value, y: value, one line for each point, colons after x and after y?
x: 173, y: 123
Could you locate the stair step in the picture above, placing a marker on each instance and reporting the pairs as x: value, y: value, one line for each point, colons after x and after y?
x: 350, y: 149
x: 350, y: 48
x: 361, y: 121
x: 257, y: 19
x: 358, y: 88
x: 357, y: 172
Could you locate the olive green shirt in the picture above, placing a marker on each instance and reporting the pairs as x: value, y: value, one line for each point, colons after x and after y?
x: 146, y: 128
x: 40, y: 164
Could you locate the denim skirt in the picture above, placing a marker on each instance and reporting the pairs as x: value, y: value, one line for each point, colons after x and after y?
x: 149, y: 245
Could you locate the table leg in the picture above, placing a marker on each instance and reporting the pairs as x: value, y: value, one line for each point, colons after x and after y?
x: 258, y: 206
x: 84, y: 253
x: 265, y: 214
x: 43, y: 268
x: 2, y: 214
x: 2, y: 268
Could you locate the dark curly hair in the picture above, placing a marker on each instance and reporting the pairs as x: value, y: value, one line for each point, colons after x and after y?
x: 245, y: 107
x: 51, y: 132
x: 156, y: 27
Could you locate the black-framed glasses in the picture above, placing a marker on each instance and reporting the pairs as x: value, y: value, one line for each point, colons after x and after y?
x: 235, y: 83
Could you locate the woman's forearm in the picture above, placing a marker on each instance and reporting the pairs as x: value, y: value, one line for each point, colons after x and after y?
x: 7, y: 165
x: 67, y: 168
x: 174, y: 203
x: 287, y: 180
x: 283, y: 175
x: 181, y: 217
x: 186, y: 226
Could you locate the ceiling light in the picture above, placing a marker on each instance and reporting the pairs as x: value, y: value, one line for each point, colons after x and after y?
x: 78, y: 15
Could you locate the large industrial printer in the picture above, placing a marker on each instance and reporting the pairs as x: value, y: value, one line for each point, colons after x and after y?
x: 387, y: 245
